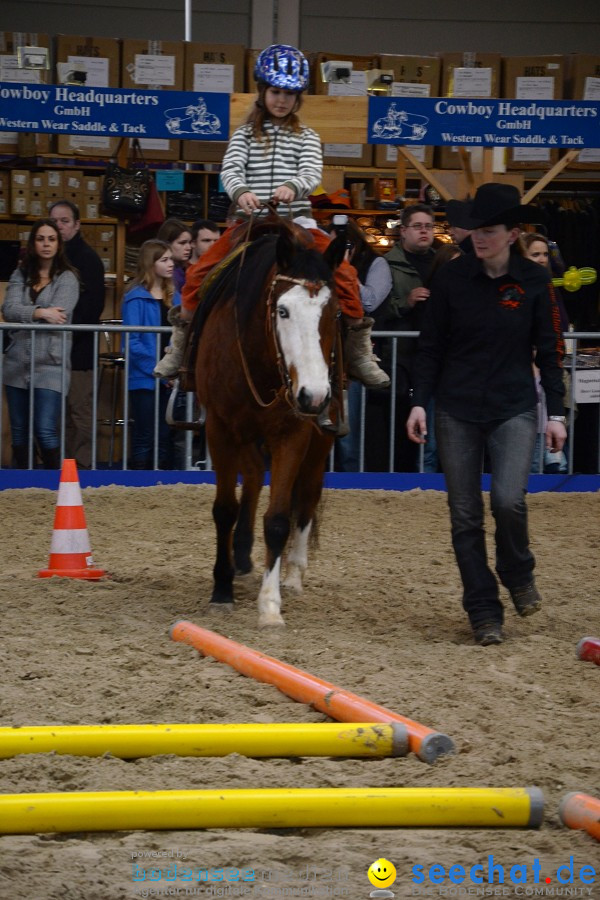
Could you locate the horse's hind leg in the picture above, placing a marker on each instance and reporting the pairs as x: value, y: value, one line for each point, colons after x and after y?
x: 253, y: 471
x: 307, y: 493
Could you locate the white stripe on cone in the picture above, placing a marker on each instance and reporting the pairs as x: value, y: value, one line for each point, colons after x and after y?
x: 69, y: 494
x: 68, y: 540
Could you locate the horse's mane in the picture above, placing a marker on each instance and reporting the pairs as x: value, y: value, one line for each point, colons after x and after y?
x: 246, y: 273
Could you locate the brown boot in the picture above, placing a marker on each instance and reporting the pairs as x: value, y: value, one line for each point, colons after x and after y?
x: 361, y: 362
x: 170, y: 364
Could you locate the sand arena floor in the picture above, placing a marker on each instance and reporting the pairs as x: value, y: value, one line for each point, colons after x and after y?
x: 380, y: 616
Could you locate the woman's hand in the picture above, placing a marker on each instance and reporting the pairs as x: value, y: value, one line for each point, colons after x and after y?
x: 416, y: 425
x: 284, y: 194
x: 55, y: 315
x: 248, y: 202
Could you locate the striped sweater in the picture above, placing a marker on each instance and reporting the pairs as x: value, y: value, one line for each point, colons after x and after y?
x: 286, y: 157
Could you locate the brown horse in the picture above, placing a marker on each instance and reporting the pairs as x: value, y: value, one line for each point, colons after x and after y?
x: 263, y: 372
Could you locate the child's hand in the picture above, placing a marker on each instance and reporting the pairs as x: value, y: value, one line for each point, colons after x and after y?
x: 284, y: 194
x: 248, y: 202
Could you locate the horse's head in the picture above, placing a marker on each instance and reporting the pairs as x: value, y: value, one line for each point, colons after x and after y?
x: 304, y: 309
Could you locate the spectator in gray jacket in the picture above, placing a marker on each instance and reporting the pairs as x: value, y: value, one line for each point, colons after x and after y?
x: 43, y: 290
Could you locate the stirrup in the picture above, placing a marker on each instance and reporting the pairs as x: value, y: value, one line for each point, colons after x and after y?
x: 195, y: 424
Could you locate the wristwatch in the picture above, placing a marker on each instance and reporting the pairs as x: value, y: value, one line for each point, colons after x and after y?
x: 561, y: 419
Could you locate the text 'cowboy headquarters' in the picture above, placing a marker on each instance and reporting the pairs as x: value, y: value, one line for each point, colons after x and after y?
x: 488, y: 123
x: 113, y: 112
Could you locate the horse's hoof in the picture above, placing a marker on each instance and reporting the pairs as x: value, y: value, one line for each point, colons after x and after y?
x: 271, y: 622
x: 293, y: 583
x: 223, y: 609
x: 242, y: 569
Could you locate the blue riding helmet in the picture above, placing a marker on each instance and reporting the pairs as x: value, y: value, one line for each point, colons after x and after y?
x: 282, y: 66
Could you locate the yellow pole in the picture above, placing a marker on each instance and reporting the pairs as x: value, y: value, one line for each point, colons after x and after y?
x: 254, y: 739
x: 272, y: 808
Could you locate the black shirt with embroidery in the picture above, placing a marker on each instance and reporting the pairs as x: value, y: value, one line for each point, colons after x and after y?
x: 479, y: 337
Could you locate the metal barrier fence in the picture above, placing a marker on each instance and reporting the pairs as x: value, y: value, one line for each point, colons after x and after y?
x: 116, y: 361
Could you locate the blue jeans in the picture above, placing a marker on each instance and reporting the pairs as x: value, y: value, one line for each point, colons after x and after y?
x: 509, y: 444
x: 142, y: 439
x: 430, y: 454
x: 46, y: 414
x: 348, y: 447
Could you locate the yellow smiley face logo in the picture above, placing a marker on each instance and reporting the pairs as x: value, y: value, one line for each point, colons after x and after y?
x: 382, y: 873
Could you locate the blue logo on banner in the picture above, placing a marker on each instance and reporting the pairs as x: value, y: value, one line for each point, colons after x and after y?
x: 111, y: 112
x: 489, y: 123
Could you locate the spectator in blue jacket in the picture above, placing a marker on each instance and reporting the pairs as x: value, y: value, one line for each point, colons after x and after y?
x: 147, y: 303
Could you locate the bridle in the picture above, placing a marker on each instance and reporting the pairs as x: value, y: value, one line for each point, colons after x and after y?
x: 285, y: 392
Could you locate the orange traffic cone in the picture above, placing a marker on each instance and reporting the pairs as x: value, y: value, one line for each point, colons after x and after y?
x: 70, y: 551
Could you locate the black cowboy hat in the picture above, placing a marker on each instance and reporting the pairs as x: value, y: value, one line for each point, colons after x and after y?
x: 457, y: 212
x: 497, y: 204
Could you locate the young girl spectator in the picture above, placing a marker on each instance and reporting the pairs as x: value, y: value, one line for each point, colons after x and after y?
x: 274, y: 158
x: 43, y: 290
x: 179, y: 238
x: 147, y: 303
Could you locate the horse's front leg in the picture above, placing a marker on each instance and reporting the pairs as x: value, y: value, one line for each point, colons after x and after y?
x: 307, y: 493
x: 284, y: 468
x: 225, y: 510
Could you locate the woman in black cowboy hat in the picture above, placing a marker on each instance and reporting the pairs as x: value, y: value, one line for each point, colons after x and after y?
x: 486, y: 317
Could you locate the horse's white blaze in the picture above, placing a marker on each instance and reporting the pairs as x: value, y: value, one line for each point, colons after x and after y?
x: 297, y: 558
x: 269, y: 599
x: 298, y: 333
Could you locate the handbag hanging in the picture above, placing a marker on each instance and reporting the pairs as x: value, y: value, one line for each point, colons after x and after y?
x: 125, y: 190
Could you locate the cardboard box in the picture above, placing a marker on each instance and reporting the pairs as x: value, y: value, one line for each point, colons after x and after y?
x: 107, y: 257
x: 4, y: 203
x: 100, y: 59
x: 88, y: 233
x: 105, y: 235
x: 359, y: 64
x: 467, y: 74
x: 458, y: 185
x: 533, y: 78
x: 37, y: 204
x: 414, y: 70
x: 217, y: 67
x: 409, y: 71
x: 89, y: 206
x: 582, y: 82
x: 72, y: 181
x: 92, y: 184
x: 19, y: 192
x: 53, y: 181
x: 10, y: 41
x: 347, y: 154
x: 153, y: 65
x: 8, y: 231
x: 250, y: 60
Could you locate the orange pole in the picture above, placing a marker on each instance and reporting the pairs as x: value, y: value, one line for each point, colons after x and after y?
x: 588, y: 650
x: 305, y: 688
x: 581, y: 811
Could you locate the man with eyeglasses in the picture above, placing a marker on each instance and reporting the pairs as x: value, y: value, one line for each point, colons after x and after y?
x: 410, y: 264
